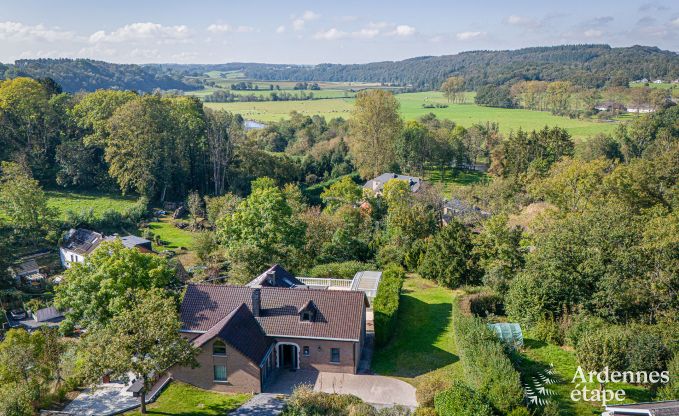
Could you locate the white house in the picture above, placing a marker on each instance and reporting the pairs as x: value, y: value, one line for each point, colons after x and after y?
x: 77, y: 245
x: 377, y: 185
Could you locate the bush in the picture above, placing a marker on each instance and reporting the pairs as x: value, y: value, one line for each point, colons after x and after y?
x: 482, y: 304
x: 519, y: 411
x: 580, y: 326
x: 111, y: 219
x: 83, y: 218
x: 138, y: 211
x: 460, y: 400
x: 425, y: 411
x: 670, y: 391
x: 487, y: 368
x: 304, y: 401
x: 340, y: 270
x: 429, y: 387
x: 548, y: 330
x: 385, y: 305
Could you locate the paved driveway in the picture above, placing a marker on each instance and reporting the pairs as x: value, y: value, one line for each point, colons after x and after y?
x: 263, y: 404
x: 372, y: 389
x: 109, y: 399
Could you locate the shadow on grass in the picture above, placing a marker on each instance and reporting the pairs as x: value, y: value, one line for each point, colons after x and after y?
x: 412, y: 350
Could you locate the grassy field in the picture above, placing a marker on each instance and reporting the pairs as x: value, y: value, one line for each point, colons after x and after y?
x: 423, y: 342
x: 538, y: 356
x: 183, y: 400
x: 173, y: 236
x: 411, y: 108
x: 452, y: 178
x: 77, y: 201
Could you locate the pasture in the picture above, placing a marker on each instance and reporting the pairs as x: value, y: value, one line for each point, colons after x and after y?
x: 412, y: 108
x: 76, y: 201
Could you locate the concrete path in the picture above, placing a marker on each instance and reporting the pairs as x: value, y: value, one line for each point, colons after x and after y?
x: 109, y: 399
x: 263, y: 404
x: 372, y: 389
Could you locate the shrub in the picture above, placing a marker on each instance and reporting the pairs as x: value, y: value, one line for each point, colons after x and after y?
x: 340, y: 270
x: 138, y: 211
x: 111, y: 219
x: 460, y: 400
x: 425, y: 411
x: 548, y: 330
x: 487, y: 367
x: 83, y: 218
x: 519, y: 411
x: 670, y: 391
x: 482, y: 304
x: 429, y: 387
x: 385, y: 305
x: 580, y: 326
x: 304, y: 401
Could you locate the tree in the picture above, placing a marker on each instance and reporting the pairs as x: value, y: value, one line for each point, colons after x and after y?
x: 22, y: 200
x: 375, y: 125
x: 220, y: 206
x: 222, y: 129
x: 448, y: 258
x: 194, y: 202
x: 412, y: 147
x: 499, y: 251
x: 92, y: 292
x: 343, y: 192
x: 142, y: 340
x: 452, y: 89
x: 261, y: 231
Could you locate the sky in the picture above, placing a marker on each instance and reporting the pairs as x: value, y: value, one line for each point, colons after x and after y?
x: 320, y: 31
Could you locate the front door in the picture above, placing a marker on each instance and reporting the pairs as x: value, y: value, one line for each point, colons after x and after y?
x: 288, y: 356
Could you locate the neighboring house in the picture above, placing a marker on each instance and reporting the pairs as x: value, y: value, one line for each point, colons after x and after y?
x: 79, y: 243
x: 49, y: 317
x: 377, y: 185
x: 27, y: 271
x: 666, y: 408
x: 463, y: 212
x: 275, y: 276
x: 658, y: 81
x: 610, y: 106
x: 642, y: 109
x: 247, y: 334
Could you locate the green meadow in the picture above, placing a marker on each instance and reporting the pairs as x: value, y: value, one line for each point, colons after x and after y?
x: 412, y: 108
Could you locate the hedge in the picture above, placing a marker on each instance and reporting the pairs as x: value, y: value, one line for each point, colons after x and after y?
x: 487, y: 367
x: 385, y: 304
x: 460, y: 400
x: 340, y: 270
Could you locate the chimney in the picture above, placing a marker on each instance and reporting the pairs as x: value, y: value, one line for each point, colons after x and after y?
x: 256, y: 301
x: 271, y: 278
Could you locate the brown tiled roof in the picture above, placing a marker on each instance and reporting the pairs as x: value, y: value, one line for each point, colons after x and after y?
x: 240, y: 330
x: 282, y: 278
x: 662, y: 408
x: 338, y: 313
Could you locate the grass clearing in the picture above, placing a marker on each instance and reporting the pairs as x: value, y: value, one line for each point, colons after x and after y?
x: 423, y: 342
x: 184, y: 400
x: 537, y: 356
x: 411, y: 108
x: 172, y: 236
x: 452, y: 178
x: 79, y: 200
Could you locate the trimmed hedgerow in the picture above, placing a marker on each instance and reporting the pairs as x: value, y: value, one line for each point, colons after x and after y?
x: 385, y: 304
x: 460, y: 400
x: 340, y: 270
x: 487, y: 367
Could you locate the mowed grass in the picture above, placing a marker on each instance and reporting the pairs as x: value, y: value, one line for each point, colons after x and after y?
x: 423, y: 342
x: 172, y: 236
x: 79, y: 200
x: 411, y: 108
x: 537, y: 356
x: 452, y: 178
x: 184, y: 400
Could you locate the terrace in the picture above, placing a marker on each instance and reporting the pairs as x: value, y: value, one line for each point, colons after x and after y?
x: 366, y: 281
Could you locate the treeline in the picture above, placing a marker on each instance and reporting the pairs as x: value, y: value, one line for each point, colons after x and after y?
x: 591, y: 66
x: 75, y: 75
x: 567, y: 99
x: 221, y: 96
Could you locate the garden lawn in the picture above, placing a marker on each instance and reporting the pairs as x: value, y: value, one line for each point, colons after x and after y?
x: 172, y: 236
x: 423, y: 341
x: 79, y: 200
x: 537, y: 356
x: 452, y: 178
x: 184, y: 400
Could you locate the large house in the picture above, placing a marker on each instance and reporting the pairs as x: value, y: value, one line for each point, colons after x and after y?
x: 246, y: 334
x: 79, y: 243
x: 377, y: 185
x: 663, y: 408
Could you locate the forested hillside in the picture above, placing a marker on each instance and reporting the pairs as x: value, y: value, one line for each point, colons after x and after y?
x: 88, y: 75
x: 586, y: 65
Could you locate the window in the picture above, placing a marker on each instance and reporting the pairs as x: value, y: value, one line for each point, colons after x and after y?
x: 306, y: 316
x: 305, y: 351
x: 220, y: 373
x: 334, y: 355
x: 218, y: 348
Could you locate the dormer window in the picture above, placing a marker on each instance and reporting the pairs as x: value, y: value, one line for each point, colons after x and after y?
x: 307, y: 312
x: 218, y: 348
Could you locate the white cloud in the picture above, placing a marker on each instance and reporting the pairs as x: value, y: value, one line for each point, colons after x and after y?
x: 19, y: 31
x: 469, y: 35
x: 331, y: 34
x: 299, y: 21
x: 675, y: 22
x: 280, y: 29
x: 225, y: 28
x: 524, y: 21
x: 593, y: 33
x: 366, y: 33
x: 142, y: 31
x: 403, y: 31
